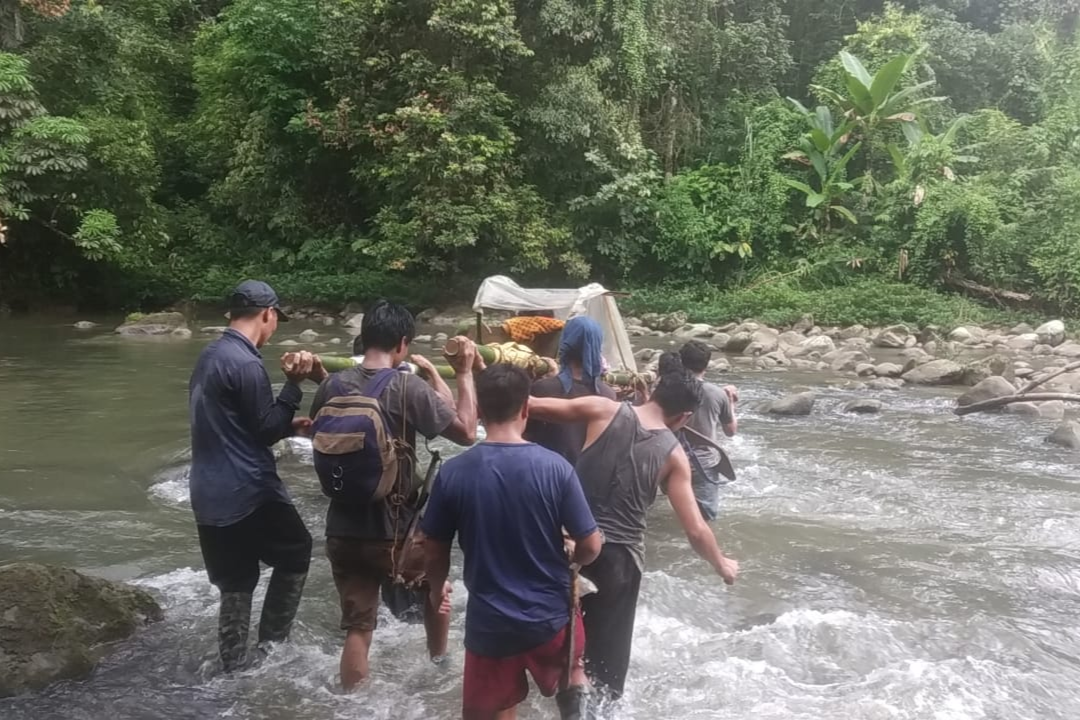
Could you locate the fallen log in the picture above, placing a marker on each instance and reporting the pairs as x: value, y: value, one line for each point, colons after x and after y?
x: 1039, y: 381
x: 994, y: 403
x: 994, y: 293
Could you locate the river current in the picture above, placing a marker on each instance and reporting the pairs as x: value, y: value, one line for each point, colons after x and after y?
x: 909, y: 565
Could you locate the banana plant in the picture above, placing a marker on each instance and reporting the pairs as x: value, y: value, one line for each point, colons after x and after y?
x: 823, y: 150
x: 875, y: 100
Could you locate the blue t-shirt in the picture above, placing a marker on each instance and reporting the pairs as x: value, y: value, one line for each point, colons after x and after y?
x: 508, y: 504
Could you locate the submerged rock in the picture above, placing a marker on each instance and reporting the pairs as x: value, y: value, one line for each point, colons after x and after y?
x: 864, y: 406
x: 85, y: 325
x: 797, y: 404
x: 54, y: 621
x: 1067, y: 435
x: 308, y: 335
x: 988, y: 389
x: 152, y: 324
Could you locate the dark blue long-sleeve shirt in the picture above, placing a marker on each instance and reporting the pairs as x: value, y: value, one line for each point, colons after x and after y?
x: 234, y: 421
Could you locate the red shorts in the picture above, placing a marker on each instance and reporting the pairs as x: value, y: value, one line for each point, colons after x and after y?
x: 494, y: 684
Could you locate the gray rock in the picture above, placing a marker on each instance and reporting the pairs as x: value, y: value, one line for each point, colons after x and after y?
x: 791, y: 339
x: 765, y: 362
x: 1024, y: 409
x: 778, y: 357
x: 720, y: 365
x: 720, y: 340
x: 803, y: 324
x: 213, y: 329
x: 988, y: 389
x: 334, y: 341
x: 308, y: 335
x: 1067, y: 435
x: 422, y: 339
x: 864, y: 369
x: 930, y: 333
x: 845, y: 360
x: 637, y: 330
x: 1024, y: 372
x: 55, y: 622
x: 855, y: 344
x: 763, y: 341
x: 355, y: 320
x: 646, y: 354
x: 855, y: 331
x: 888, y: 370
x: 426, y: 316
x: 819, y: 343
x: 738, y: 342
x: 181, y: 333
x: 288, y: 343
x: 666, y: 322
x: 885, y: 384
x: 1051, y: 333
x: 152, y: 324
x: 864, y: 406
x: 1027, y: 341
x: 695, y: 330
x: 1052, y: 409
x: 979, y: 370
x: 935, y: 372
x: 1042, y: 350
x: 1022, y: 329
x: 1069, y: 350
x: 888, y: 339
x: 85, y: 325
x: 961, y: 335
x: 797, y: 404
x: 440, y: 339
x: 326, y: 320
x: 931, y: 347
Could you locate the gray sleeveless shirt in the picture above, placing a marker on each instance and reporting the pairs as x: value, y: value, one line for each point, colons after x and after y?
x: 620, y: 473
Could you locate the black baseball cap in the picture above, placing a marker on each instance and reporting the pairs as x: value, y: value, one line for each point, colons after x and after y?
x: 255, y: 294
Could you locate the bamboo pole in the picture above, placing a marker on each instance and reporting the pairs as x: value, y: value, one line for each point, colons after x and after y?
x: 523, y: 357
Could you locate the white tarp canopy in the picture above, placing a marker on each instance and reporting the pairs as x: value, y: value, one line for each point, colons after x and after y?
x: 499, y: 292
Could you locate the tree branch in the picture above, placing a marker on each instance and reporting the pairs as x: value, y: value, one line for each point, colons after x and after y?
x: 1036, y: 383
x: 997, y: 402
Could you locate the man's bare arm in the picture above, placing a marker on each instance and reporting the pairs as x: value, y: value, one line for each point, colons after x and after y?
x: 564, y: 410
x: 681, y: 496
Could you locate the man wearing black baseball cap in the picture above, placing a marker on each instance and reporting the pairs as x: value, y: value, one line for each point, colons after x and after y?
x: 242, y: 508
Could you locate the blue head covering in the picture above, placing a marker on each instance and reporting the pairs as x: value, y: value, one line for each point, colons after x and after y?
x: 583, y: 338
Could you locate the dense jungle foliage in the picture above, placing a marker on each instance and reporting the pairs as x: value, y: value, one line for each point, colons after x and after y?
x: 156, y: 150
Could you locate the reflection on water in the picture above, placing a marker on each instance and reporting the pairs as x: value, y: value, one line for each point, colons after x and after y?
x: 908, y: 565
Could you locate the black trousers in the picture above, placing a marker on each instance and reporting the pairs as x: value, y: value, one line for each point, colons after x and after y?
x: 609, y: 617
x: 274, y: 534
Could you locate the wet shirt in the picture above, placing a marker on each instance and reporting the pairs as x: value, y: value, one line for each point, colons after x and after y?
x: 709, y: 419
x: 620, y: 473
x: 235, y: 418
x: 410, y: 402
x: 507, y: 504
x: 566, y: 439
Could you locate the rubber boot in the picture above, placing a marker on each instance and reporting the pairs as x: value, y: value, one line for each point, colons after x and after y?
x: 279, y: 607
x: 234, y: 622
x: 576, y: 703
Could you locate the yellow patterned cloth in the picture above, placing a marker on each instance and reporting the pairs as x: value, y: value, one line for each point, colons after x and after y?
x: 525, y: 329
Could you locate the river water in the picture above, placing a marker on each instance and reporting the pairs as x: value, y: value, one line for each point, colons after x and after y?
x: 909, y: 565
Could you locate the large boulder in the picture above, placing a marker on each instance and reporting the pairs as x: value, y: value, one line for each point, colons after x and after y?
x: 164, y: 323
x: 822, y: 344
x: 845, y: 360
x: 1067, y: 435
x: 935, y: 372
x: 888, y: 370
x: 695, y: 330
x: 1051, y: 333
x: 738, y: 342
x: 762, y: 342
x: 895, y: 337
x: 664, y: 322
x: 1069, y: 350
x: 797, y: 404
x: 1027, y: 341
x: 54, y: 623
x: 1052, y: 410
x: 991, y: 365
x: 988, y: 389
x: 855, y: 331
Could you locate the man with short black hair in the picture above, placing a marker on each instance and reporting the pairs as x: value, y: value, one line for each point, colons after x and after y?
x: 630, y: 453
x: 242, y: 509
x: 717, y: 410
x: 507, y: 501
x: 365, y: 541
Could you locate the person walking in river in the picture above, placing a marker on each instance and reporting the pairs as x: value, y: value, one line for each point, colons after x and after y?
x: 630, y: 452
x: 579, y: 375
x: 366, y: 540
x: 716, y: 413
x: 242, y: 509
x: 508, y: 500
